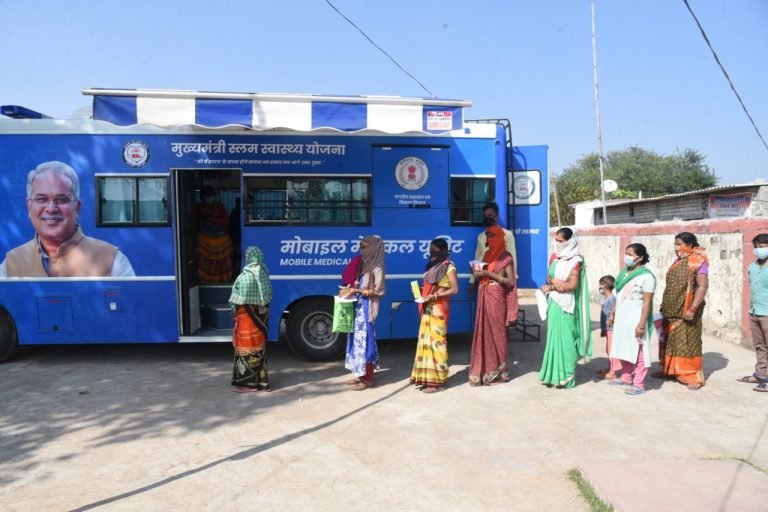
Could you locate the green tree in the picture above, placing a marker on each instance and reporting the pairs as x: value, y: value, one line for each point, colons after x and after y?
x: 636, y: 170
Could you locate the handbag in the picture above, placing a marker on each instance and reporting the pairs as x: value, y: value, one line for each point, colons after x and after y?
x: 343, y: 315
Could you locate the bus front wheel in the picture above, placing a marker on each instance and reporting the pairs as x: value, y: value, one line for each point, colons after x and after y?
x: 308, y: 330
x: 9, y: 338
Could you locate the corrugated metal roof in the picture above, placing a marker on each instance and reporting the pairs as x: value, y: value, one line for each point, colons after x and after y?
x: 709, y: 190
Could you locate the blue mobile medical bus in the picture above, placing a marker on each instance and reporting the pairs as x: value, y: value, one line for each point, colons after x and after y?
x: 311, y: 175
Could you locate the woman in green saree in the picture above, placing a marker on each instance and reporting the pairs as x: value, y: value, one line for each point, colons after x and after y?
x: 568, y: 324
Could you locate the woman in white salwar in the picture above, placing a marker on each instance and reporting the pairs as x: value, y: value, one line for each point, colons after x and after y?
x: 632, y: 320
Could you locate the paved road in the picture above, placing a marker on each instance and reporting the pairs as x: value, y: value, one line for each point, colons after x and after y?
x: 157, y: 428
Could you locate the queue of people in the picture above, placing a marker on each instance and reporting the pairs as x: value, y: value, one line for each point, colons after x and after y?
x: 626, y: 320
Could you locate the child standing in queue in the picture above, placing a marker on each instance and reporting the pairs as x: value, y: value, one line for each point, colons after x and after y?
x: 606, y: 328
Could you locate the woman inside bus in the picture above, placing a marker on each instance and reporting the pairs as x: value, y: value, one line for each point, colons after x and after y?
x: 496, y: 300
x: 682, y: 307
x: 568, y: 327
x: 362, y: 353
x: 430, y: 367
x: 251, y: 295
x: 214, y: 246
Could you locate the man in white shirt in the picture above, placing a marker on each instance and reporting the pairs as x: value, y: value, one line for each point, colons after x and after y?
x: 491, y: 218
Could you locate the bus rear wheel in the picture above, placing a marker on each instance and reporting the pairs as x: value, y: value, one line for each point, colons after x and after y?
x: 308, y: 330
x: 9, y: 338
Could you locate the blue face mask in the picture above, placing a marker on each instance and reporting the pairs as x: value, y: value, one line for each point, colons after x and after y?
x: 628, y: 261
x: 760, y: 252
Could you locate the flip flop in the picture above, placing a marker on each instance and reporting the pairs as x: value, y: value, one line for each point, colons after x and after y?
x: 762, y: 387
x: 617, y: 382
x: 634, y: 390
x: 751, y: 379
x: 243, y: 389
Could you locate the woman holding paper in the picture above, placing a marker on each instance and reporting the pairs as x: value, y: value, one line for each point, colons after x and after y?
x: 362, y: 353
x: 430, y: 367
x: 497, y: 309
x: 568, y: 327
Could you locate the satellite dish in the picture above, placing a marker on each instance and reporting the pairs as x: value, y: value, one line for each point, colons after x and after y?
x: 610, y: 185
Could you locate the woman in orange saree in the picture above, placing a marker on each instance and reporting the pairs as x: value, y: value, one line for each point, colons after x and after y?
x: 251, y: 295
x: 683, y: 308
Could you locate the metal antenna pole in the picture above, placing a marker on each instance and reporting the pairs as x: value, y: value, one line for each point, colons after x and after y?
x: 597, y: 116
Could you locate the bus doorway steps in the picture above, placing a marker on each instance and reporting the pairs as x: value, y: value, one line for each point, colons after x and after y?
x: 217, y: 316
x: 214, y: 306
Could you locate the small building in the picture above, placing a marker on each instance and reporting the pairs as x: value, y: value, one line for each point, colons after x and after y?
x: 721, y: 202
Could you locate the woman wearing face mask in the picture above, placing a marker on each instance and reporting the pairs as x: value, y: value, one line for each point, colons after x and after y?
x: 362, y: 353
x: 631, y: 319
x: 214, y: 246
x: 497, y: 309
x: 430, y: 368
x: 682, y: 307
x: 568, y: 324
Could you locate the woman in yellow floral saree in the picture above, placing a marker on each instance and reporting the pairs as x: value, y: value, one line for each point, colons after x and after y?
x: 430, y: 367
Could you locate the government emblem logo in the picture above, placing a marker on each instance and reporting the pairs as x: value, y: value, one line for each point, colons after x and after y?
x: 135, y: 154
x: 411, y: 173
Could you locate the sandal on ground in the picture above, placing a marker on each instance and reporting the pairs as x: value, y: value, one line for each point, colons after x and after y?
x: 634, y: 390
x: 695, y: 386
x: 762, y: 387
x: 751, y: 379
x: 243, y: 389
x: 362, y: 385
x: 617, y: 382
x: 433, y: 389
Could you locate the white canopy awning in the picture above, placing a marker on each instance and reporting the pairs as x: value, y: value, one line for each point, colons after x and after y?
x: 303, y: 112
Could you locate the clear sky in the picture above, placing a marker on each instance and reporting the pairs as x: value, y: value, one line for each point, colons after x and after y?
x: 527, y: 61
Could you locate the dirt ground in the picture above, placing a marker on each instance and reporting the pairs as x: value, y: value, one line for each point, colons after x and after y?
x: 157, y: 428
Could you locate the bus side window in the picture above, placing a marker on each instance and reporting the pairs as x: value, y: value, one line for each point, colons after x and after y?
x: 468, y: 195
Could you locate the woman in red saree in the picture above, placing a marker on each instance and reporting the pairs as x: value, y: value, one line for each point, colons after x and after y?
x: 683, y: 308
x: 497, y: 309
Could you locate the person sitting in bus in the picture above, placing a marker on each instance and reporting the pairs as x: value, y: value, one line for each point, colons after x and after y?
x: 251, y: 295
x: 362, y: 353
x: 59, y: 247
x: 214, y: 246
x: 491, y: 218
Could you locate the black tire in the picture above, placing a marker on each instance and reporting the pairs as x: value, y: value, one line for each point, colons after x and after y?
x: 308, y: 330
x: 9, y: 338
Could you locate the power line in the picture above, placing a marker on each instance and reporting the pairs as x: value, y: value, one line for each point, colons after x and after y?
x: 380, y: 48
x: 733, y: 88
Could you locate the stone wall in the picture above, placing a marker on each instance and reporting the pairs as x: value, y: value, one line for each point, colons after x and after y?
x: 729, y: 249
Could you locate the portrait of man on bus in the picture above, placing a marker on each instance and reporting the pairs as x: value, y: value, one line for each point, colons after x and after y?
x: 59, y: 247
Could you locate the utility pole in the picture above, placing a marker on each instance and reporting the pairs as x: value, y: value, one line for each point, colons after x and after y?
x: 554, y: 193
x: 597, y: 116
